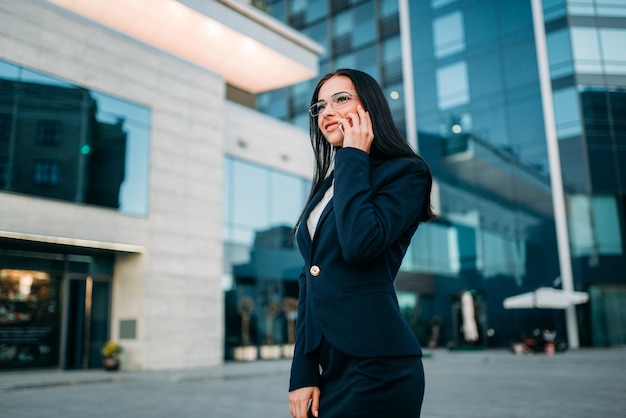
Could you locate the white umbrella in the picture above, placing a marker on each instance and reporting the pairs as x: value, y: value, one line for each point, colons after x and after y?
x: 546, y: 297
x: 470, y: 329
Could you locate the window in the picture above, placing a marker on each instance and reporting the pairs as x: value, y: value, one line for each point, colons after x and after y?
x: 452, y: 85
x: 389, y: 21
x: 599, y: 51
x: 435, y: 4
x: 319, y: 33
x: 594, y: 225
x: 560, y: 54
x: 46, y: 172
x: 276, y: 197
x: 434, y: 249
x: 553, y: 9
x: 366, y: 60
x: 448, y: 34
x: 261, y: 263
x: 273, y: 103
x: 49, y: 132
x: 567, y: 113
x: 364, y: 31
x: 105, y: 138
x: 392, y: 49
x: 611, y: 8
x: 301, y: 97
x: 297, y: 6
x: 342, y: 24
x: 586, y: 50
x: 342, y: 28
x: 613, y: 50
x: 392, y: 60
x: 502, y: 256
x: 315, y: 10
x: 346, y: 61
x: 580, y: 7
x: 606, y: 218
x: 388, y: 8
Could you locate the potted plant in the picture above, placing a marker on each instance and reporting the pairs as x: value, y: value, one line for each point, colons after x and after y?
x: 435, y: 326
x: 111, y: 352
x: 246, y: 351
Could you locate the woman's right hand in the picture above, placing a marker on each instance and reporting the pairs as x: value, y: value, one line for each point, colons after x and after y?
x: 357, y: 130
x: 299, y: 401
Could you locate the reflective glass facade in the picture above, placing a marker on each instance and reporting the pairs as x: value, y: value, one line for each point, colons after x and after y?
x: 355, y: 33
x: 62, y: 141
x: 261, y: 263
x: 588, y: 70
x: 481, y: 129
x: 481, y: 126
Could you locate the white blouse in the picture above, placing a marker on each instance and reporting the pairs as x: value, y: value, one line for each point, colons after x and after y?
x: 315, y: 214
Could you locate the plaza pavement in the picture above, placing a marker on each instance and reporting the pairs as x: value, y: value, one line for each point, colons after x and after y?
x: 583, y: 383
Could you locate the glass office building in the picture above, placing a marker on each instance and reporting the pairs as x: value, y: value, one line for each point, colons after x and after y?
x: 463, y: 79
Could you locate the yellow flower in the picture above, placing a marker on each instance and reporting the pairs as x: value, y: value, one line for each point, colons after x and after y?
x: 111, y: 349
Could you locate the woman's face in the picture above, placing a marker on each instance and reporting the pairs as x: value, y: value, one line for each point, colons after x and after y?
x: 337, y: 106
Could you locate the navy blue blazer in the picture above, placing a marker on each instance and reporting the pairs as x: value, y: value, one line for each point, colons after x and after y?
x: 346, y: 285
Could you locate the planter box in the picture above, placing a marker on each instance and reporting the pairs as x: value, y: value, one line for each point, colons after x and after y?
x: 288, y: 350
x: 246, y: 353
x: 270, y: 352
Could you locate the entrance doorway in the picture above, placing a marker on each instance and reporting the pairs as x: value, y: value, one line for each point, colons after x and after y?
x: 54, y: 306
x: 88, y: 309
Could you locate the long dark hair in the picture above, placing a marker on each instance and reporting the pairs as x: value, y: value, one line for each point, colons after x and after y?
x: 388, y: 141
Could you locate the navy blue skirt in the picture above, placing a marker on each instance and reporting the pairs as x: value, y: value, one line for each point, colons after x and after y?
x: 380, y: 387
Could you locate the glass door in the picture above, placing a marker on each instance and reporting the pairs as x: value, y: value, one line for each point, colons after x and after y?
x: 88, y: 313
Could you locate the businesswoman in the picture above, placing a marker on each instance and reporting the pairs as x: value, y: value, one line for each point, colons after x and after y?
x: 355, y: 356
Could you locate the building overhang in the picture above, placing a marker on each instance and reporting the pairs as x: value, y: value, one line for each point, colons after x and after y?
x: 71, y: 245
x: 479, y: 164
x: 248, y: 48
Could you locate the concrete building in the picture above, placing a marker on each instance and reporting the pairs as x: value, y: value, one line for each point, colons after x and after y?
x: 117, y: 122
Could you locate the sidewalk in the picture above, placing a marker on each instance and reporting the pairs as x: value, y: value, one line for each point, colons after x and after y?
x: 583, y: 383
x: 28, y: 379
x: 482, y: 384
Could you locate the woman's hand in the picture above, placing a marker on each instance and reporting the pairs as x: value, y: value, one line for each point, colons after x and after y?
x: 299, y: 401
x: 357, y: 130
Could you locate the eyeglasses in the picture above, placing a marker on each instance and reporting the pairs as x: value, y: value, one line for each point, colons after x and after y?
x: 336, y: 101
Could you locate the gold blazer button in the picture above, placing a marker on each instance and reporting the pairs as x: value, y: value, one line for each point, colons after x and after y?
x: 315, y: 271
